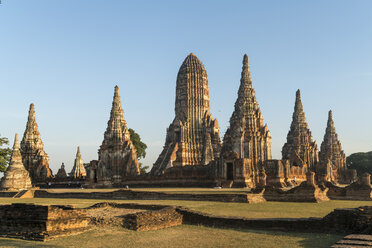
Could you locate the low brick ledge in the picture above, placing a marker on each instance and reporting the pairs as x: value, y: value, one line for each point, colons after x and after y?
x: 149, y: 195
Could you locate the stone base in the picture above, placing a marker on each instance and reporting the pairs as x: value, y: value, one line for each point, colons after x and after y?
x: 36, y: 222
x: 302, y: 193
x: 153, y: 220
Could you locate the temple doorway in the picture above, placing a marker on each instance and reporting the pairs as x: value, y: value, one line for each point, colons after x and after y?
x: 230, y: 171
x: 95, y: 176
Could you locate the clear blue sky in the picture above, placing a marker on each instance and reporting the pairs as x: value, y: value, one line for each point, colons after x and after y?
x: 67, y: 56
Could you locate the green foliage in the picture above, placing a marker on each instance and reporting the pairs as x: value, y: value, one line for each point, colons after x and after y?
x: 138, y: 144
x: 143, y: 169
x: 361, y: 162
x: 5, y: 153
x: 140, y: 147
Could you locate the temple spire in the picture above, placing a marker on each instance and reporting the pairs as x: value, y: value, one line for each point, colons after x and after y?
x: 117, y: 113
x: 116, y: 125
x: 16, y: 158
x: 34, y: 157
x: 117, y: 155
x: 298, y: 104
x: 300, y: 148
x: 330, y: 120
x: 16, y: 177
x: 78, y: 171
x: 187, y: 141
x: 31, y: 120
x: 78, y: 154
x: 247, y: 136
x: 246, y: 79
x: 331, y: 149
x: 116, y: 93
x: 16, y: 142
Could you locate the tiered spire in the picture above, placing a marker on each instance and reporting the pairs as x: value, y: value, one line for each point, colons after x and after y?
x: 117, y: 155
x: 300, y: 147
x: 246, y: 79
x: 187, y: 142
x: 78, y: 171
x: 117, y: 125
x: 247, y: 136
x: 331, y: 149
x: 16, y: 177
x: 34, y: 157
x: 16, y: 158
x: 61, y: 172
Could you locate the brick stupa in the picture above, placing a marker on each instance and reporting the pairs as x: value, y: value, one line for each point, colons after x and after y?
x: 332, y: 159
x: 16, y: 177
x: 117, y: 154
x: 61, y: 172
x: 34, y: 157
x: 300, y: 148
x: 247, y: 141
x: 78, y: 171
x: 247, y: 136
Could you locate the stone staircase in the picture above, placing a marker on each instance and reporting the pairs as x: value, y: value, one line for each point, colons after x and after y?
x: 354, y: 240
x: 227, y: 183
x: 24, y: 194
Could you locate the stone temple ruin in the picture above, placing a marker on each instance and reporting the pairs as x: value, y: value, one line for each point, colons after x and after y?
x: 117, y: 154
x: 16, y: 177
x: 34, y: 157
x: 300, y: 148
x: 247, y: 141
x: 332, y: 159
x: 193, y: 154
x: 193, y: 137
x: 78, y: 171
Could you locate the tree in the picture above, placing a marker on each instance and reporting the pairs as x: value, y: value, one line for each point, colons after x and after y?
x: 140, y: 147
x: 5, y: 153
x: 360, y: 161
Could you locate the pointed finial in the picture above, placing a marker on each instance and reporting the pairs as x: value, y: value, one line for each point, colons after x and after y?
x: 330, y: 117
x: 245, y: 60
x: 16, y: 142
x: 63, y: 166
x: 298, y: 104
x: 191, y: 54
x: 330, y: 120
x: 246, y: 79
x: 298, y: 94
x: 78, y: 154
x: 31, y: 112
x: 116, y: 90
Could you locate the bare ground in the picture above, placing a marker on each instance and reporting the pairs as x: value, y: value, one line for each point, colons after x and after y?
x: 108, y: 215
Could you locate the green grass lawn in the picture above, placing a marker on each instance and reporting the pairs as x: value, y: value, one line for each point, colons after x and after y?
x: 260, y: 210
x: 182, y: 236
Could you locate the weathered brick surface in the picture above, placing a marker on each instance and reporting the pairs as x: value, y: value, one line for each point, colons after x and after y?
x: 153, y: 219
x: 35, y: 222
x: 307, y: 191
x: 117, y: 154
x: 28, y: 221
x: 193, y: 136
x: 34, y: 157
x: 141, y: 195
x: 300, y: 224
x: 247, y: 141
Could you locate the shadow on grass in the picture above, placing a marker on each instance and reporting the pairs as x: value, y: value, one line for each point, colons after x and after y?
x: 308, y: 240
x: 4, y: 242
x: 280, y: 238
